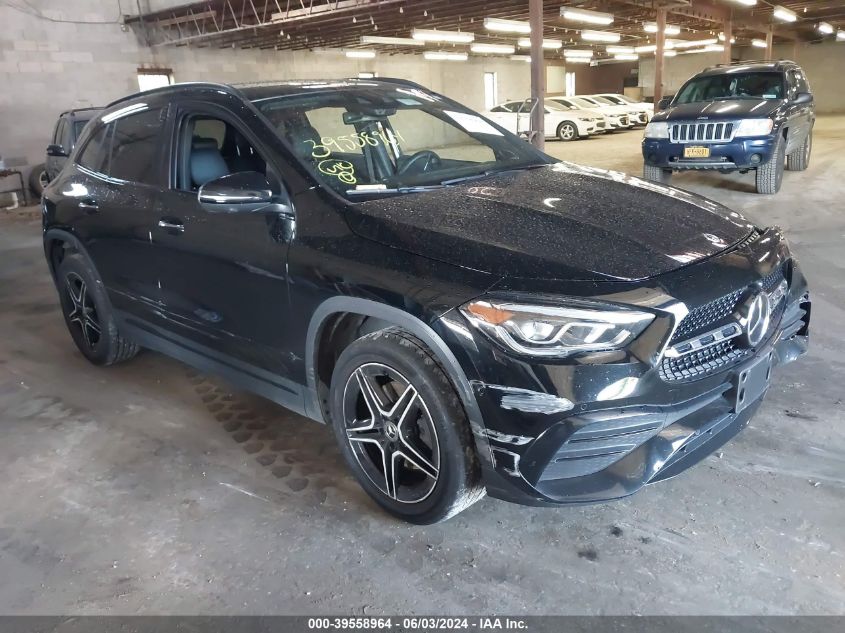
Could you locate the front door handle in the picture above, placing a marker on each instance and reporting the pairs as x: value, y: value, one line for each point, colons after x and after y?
x: 172, y: 226
x: 89, y: 206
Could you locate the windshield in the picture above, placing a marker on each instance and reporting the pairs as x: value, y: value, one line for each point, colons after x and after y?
x: 748, y: 85
x: 584, y: 102
x: 366, y: 140
x: 603, y: 101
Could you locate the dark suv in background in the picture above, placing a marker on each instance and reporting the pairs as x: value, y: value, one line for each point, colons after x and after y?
x: 66, y: 132
x: 738, y: 117
x: 468, y: 314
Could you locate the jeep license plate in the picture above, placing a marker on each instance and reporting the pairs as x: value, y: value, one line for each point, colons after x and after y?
x: 696, y: 152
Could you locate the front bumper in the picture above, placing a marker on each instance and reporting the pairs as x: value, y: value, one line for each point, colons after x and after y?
x: 604, y: 426
x: 744, y: 153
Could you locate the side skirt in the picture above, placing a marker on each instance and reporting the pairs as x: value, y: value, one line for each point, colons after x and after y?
x: 282, y: 391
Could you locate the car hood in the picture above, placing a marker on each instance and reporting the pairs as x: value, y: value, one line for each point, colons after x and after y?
x: 561, y: 221
x: 715, y: 110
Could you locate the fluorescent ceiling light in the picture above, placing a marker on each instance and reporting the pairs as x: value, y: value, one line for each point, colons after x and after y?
x: 361, y: 54
x: 521, y: 58
x: 445, y: 56
x: 599, y: 36
x: 578, y: 52
x: 626, y: 57
x: 722, y: 38
x: 652, y: 48
x: 525, y: 42
x: 670, y: 53
x: 669, y: 29
x: 495, y: 49
x: 577, y: 60
x: 840, y: 36
x: 825, y: 28
x: 690, y: 43
x: 582, y: 15
x: 783, y: 14
x: 391, y: 41
x: 747, y: 3
x: 506, y: 26
x: 456, y: 37
x: 759, y: 43
x: 713, y: 48
x: 619, y: 50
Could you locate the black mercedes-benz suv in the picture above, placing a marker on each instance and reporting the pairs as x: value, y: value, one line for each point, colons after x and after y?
x: 467, y: 313
x: 746, y: 116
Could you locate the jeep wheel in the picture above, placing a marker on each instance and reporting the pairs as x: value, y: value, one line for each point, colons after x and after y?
x: 38, y: 180
x: 402, y: 429
x: 88, y: 314
x: 657, y: 174
x: 799, y: 160
x: 770, y: 176
x: 567, y: 131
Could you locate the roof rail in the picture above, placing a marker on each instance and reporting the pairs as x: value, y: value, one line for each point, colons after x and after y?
x: 748, y: 62
x: 398, y: 80
x: 174, y: 88
x: 73, y: 110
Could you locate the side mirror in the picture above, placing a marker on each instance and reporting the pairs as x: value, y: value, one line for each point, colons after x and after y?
x: 243, y: 192
x: 56, y: 150
x: 664, y: 103
x: 803, y: 97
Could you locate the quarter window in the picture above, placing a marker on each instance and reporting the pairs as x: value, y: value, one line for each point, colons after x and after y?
x: 95, y: 154
x: 135, y: 147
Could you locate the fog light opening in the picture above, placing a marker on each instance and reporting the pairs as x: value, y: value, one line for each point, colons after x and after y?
x: 756, y: 159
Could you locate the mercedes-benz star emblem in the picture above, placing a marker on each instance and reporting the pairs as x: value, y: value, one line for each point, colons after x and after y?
x: 754, y: 316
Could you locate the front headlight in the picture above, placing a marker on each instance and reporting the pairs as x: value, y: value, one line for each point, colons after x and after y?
x: 657, y: 129
x: 754, y: 127
x: 545, y: 330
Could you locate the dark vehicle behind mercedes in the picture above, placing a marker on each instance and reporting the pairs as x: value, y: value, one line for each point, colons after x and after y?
x: 468, y: 314
x: 747, y: 116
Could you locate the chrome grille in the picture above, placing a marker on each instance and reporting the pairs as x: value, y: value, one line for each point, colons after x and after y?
x: 704, y: 318
x: 701, y: 132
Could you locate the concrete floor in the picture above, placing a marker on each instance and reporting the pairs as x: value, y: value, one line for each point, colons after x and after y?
x: 147, y: 488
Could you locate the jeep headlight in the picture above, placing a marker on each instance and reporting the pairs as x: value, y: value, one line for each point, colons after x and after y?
x: 754, y: 127
x: 556, y: 330
x: 657, y: 129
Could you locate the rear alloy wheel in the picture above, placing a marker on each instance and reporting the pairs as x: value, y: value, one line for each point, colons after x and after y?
x: 402, y: 429
x: 657, y: 174
x: 88, y: 314
x: 770, y: 176
x: 799, y: 160
x: 567, y: 131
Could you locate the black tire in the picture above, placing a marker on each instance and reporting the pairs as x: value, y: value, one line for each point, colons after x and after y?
x: 770, y: 176
x: 88, y: 314
x: 567, y: 131
x: 799, y: 160
x: 436, y: 473
x: 38, y: 180
x: 657, y: 174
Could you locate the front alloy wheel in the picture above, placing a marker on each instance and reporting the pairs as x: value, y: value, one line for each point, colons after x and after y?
x: 390, y: 433
x: 402, y: 429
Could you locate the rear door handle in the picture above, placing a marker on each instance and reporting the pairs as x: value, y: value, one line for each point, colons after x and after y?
x: 90, y: 206
x: 173, y: 226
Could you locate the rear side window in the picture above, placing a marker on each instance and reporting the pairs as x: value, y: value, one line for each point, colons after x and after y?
x: 95, y: 154
x: 135, y: 147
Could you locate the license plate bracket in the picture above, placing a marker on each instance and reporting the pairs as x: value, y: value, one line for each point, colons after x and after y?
x: 752, y: 382
x: 696, y: 151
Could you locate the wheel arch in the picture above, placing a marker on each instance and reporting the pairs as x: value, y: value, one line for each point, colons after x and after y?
x: 332, y: 310
x: 56, y: 244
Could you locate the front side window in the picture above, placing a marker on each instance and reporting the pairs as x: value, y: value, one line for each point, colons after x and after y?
x: 732, y: 85
x: 135, y: 146
x: 95, y: 154
x: 364, y: 140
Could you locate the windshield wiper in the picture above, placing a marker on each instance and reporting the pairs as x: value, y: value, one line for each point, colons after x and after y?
x: 490, y: 172
x: 392, y: 190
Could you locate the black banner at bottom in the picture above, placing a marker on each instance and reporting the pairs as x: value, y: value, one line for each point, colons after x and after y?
x: 422, y: 624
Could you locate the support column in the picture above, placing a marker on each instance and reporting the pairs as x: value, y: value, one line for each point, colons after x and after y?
x: 538, y: 73
x: 727, y: 28
x: 658, y: 55
x: 769, y: 34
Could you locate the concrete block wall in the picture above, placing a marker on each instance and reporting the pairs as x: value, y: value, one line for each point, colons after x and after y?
x: 76, y: 54
x: 821, y: 61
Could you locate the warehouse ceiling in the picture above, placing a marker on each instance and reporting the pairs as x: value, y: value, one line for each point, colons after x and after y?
x: 318, y: 24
